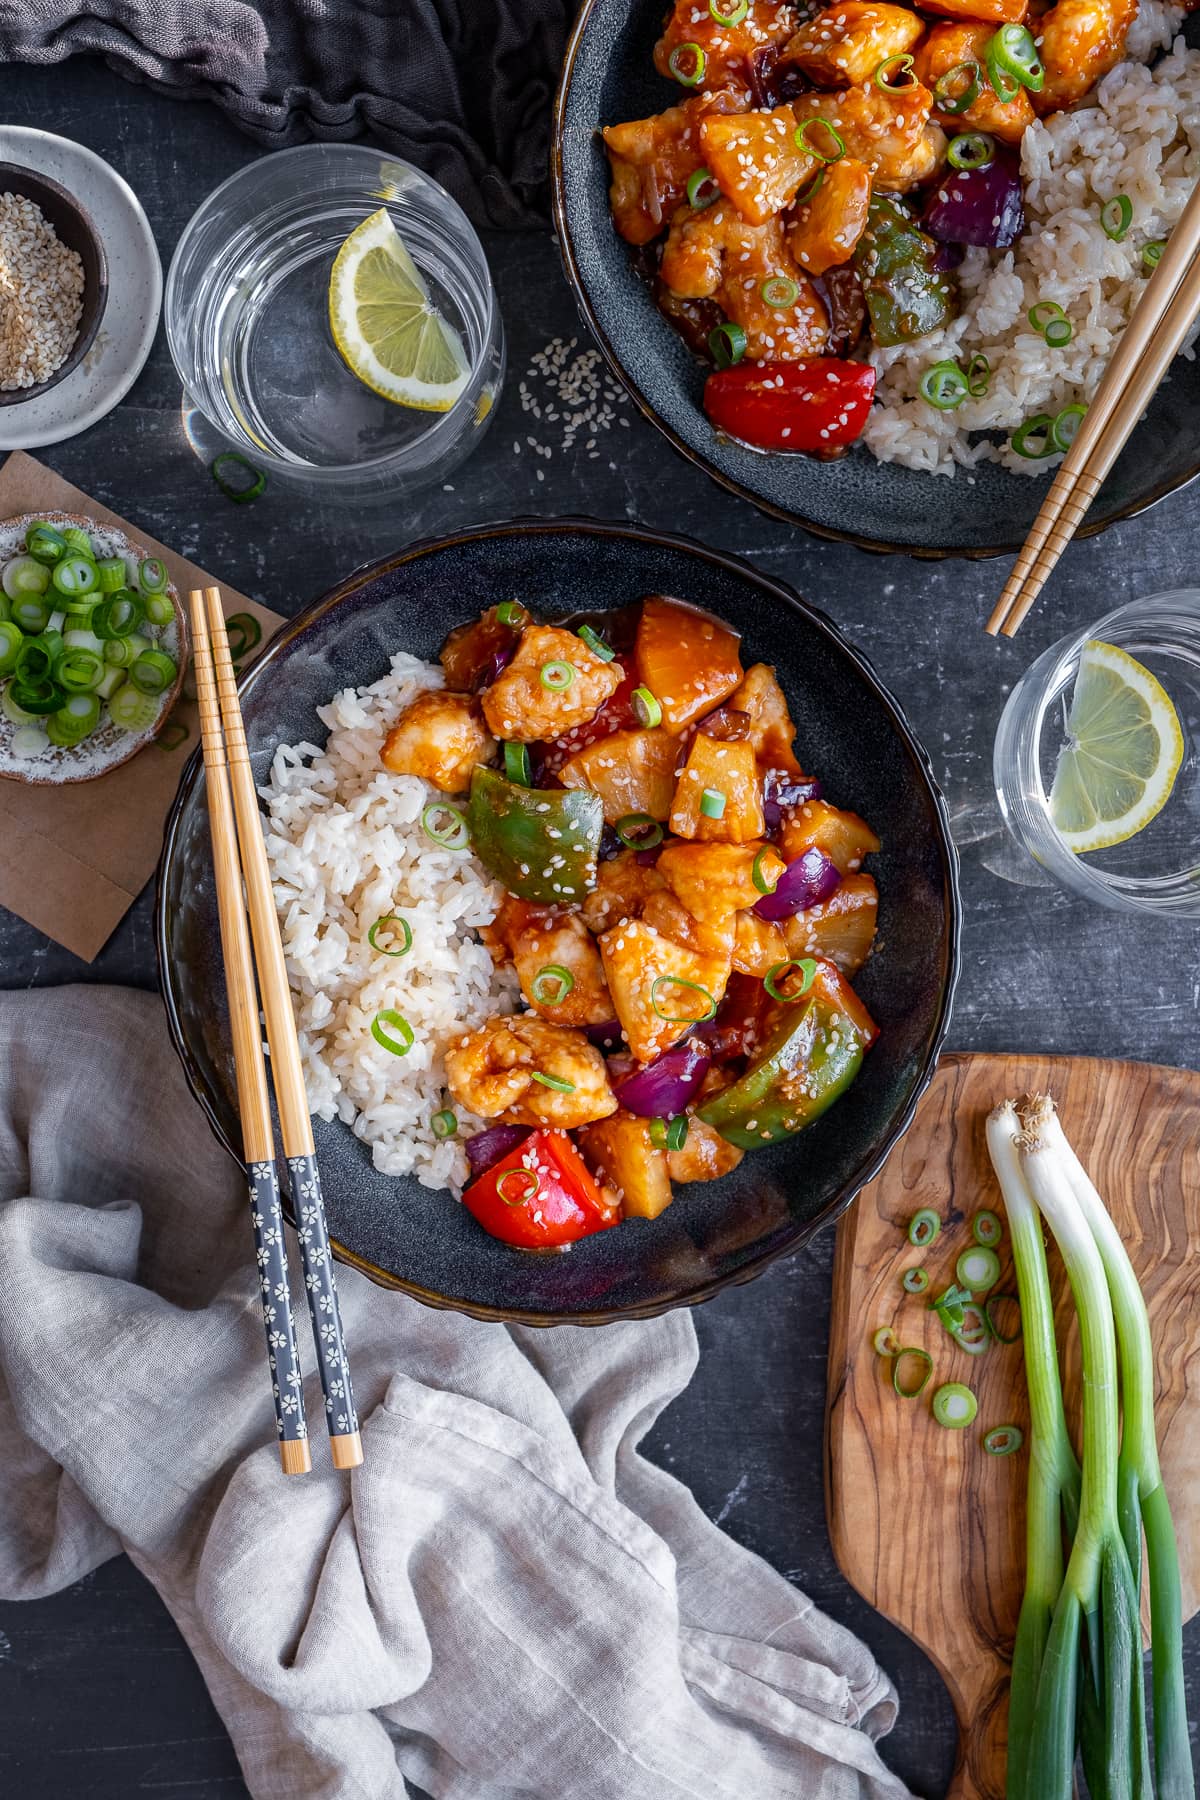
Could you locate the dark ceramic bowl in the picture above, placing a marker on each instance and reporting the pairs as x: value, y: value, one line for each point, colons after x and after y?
x: 75, y: 229
x: 852, y: 733
x: 609, y: 76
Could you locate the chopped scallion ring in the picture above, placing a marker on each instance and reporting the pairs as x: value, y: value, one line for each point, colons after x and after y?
x: 1058, y: 332
x: 553, y: 1082
x: 885, y: 1342
x: 551, y: 985
x: 702, y: 189
x: 1013, y: 63
x: 779, y: 292
x: 45, y: 544
x: 986, y: 1228
x: 680, y: 981
x: 244, y: 633
x: 1040, y: 314
x: 1034, y: 439
x: 444, y: 1124
x: 517, y: 1186
x: 648, y: 709
x: 238, y: 491
x: 727, y: 344
x: 949, y: 1304
x: 979, y: 375
x: 903, y: 65
x: 954, y: 1406
x: 978, y: 1268
x: 394, y: 923
x: 712, y: 803
x: 911, y: 1369
x: 392, y: 1031
x: 756, y: 874
x: 445, y: 825
x: 595, y: 643
x: 971, y: 150
x: 914, y: 1281
x: 658, y: 1133
x: 557, y: 676
x: 511, y: 612
x: 959, y: 88
x: 1116, y: 216
x: 153, y: 672
x: 73, y: 575
x: 1003, y: 1440
x: 638, y: 831
x: 943, y: 386
x: 1066, y: 425
x: 733, y: 14
x: 990, y: 1306
x: 31, y: 612
x: 173, y: 733
x: 972, y: 1335
x: 1152, y: 253
x: 687, y: 63
x: 677, y: 1131
x: 517, y: 766
x: 79, y: 671
x: 924, y: 1228
x: 801, y: 140
x: 773, y: 977
x: 152, y: 576
x: 808, y: 193
x: 118, y: 615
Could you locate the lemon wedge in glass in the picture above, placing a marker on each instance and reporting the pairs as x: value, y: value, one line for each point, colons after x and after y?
x: 1118, y: 769
x: 386, y: 325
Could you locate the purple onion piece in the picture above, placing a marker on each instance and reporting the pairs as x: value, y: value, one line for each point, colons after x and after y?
x: 610, y: 844
x: 491, y: 1146
x: 666, y: 1086
x: 497, y: 663
x: 605, y: 1036
x: 978, y: 206
x: 947, y: 257
x: 780, y: 789
x: 805, y: 882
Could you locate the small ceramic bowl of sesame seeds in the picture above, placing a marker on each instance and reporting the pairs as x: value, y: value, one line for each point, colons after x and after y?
x: 53, y: 283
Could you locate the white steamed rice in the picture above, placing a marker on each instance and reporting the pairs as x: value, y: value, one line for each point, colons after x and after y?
x: 1140, y: 137
x: 347, y: 846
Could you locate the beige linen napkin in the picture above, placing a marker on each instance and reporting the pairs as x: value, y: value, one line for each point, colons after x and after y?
x: 505, y: 1601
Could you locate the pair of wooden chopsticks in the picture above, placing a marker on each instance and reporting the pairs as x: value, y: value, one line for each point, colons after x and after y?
x: 1151, y: 341
x: 227, y: 768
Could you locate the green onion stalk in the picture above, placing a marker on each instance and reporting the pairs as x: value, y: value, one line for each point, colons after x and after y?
x: 1053, y: 1471
x: 1096, y: 1615
x: 1141, y: 1496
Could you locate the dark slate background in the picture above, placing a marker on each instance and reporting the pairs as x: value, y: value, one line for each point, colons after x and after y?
x: 98, y: 1696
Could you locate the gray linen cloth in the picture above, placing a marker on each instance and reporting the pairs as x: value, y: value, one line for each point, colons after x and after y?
x: 505, y: 1602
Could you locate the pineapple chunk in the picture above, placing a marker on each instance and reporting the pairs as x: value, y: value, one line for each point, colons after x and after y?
x: 687, y: 659
x: 758, y: 946
x: 705, y: 1155
x: 622, y: 1157
x: 632, y: 771
x: 646, y: 970
x: 728, y: 770
x: 755, y: 161
x: 708, y: 937
x: 714, y: 880
x: 826, y: 228
x: 843, y: 836
x: 841, y: 929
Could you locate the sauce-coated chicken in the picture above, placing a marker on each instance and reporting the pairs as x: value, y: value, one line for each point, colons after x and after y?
x: 492, y: 1071
x: 717, y: 253
x: 442, y: 738
x: 526, y: 702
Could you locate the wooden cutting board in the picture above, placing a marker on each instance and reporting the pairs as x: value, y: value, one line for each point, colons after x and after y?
x: 925, y: 1525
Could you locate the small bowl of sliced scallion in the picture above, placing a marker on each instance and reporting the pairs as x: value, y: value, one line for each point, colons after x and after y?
x: 92, y: 648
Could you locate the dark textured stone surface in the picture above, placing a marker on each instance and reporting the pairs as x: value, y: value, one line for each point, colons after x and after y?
x: 98, y: 1696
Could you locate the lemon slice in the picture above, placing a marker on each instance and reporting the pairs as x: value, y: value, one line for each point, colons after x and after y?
x: 1126, y: 745
x: 387, y: 327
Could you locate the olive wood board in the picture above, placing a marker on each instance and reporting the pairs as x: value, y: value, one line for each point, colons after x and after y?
x: 927, y: 1526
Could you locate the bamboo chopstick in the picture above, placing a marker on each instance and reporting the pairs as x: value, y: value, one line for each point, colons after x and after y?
x: 254, y: 1106
x: 287, y: 1074
x: 1148, y: 346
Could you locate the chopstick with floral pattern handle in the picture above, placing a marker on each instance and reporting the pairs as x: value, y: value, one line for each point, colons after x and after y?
x: 254, y: 1106
x: 287, y: 1074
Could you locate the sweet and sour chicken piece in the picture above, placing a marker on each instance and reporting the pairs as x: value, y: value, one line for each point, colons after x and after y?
x: 632, y: 771
x: 652, y: 159
x: 715, y: 880
x: 886, y: 129
x: 947, y: 47
x: 526, y: 704
x: 659, y: 988
x: 442, y: 738
x: 542, y: 941
x: 491, y: 1071
x: 623, y: 886
x: 1080, y: 41
x: 823, y: 231
x: 846, y: 43
x: 1001, y: 12
x: 771, y: 731
x: 717, y: 254
x: 728, y: 50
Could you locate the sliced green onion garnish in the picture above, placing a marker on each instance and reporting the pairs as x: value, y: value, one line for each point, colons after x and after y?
x: 990, y: 1307
x: 444, y: 1124
x: 40, y: 697
x: 11, y: 639
x: 885, y: 1342
x: 79, y: 671
x: 118, y: 615
x: 1116, y: 216
x: 756, y: 874
x: 553, y: 1082
x: 971, y: 150
x: 702, y: 189
x: 1003, y: 1440
x: 173, y: 733
x: 1013, y: 62
x: 773, y: 978
x: 924, y: 1228
x: 517, y: 765
x: 1034, y: 439
x: 1058, y: 332
x: 45, y: 543
x: 557, y: 676
x: 986, y: 1228
x: 37, y: 656
x: 244, y: 633
x: 112, y: 573
x: 979, y: 375
x: 647, y: 708
x: 23, y: 575
x: 153, y: 672
x: 389, y: 1022
x: 238, y: 488
x: 638, y: 831
x: 1066, y: 425
x: 1040, y: 314
x: 397, y: 926
x: 595, y: 643
x: 677, y: 1131
x: 903, y: 65
x: 79, y: 541
x: 914, y: 1281
x: 516, y: 1186
x: 944, y: 386
x: 911, y: 1369
x: 954, y: 1405
x: 687, y: 63
x: 811, y: 189
x: 951, y: 97
x: 727, y: 344
x: 949, y: 1304
x: 551, y: 985
x: 680, y: 981
x: 152, y: 576
x: 779, y: 292
x: 445, y: 825
x: 972, y: 1335
x: 802, y: 141
x: 73, y: 575
x: 1152, y: 253
x: 733, y: 14
x: 511, y: 612
x: 978, y: 1268
x: 79, y: 716
x: 712, y: 803
x: 31, y: 612
x: 160, y: 608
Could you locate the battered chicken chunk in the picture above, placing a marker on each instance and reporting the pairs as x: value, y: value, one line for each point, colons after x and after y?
x: 651, y: 160
x: 528, y: 703
x: 848, y: 42
x: 950, y: 46
x: 442, y: 738
x: 543, y: 941
x: 491, y: 1071
x: 1080, y: 41
x: 887, y: 130
x: 623, y: 886
x: 716, y: 253
x: 728, y: 50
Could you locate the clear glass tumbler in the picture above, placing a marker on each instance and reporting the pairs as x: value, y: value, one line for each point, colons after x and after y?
x: 1158, y: 870
x: 247, y: 316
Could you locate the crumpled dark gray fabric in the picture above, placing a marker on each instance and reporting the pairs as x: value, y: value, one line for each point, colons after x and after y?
x: 462, y: 88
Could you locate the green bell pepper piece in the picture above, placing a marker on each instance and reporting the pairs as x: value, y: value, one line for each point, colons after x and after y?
x: 803, y: 1069
x: 542, y: 843
x: 905, y: 296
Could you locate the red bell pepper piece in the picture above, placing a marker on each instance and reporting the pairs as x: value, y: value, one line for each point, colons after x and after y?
x: 816, y: 405
x: 540, y: 1196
